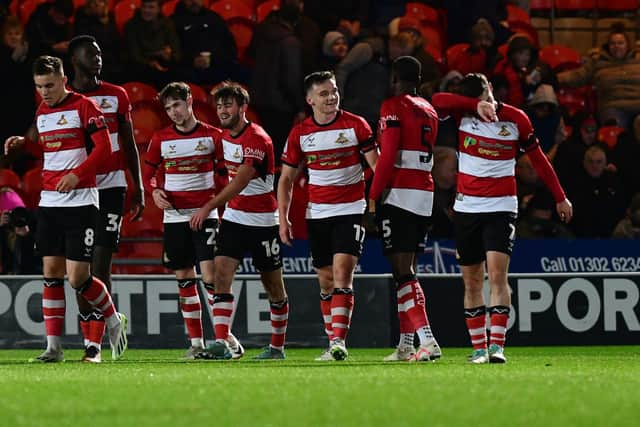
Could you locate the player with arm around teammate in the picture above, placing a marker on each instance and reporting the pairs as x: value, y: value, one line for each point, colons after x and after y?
x: 486, y: 204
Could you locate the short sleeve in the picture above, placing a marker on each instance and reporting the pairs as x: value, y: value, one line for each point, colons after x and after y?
x: 292, y: 153
x: 254, y: 151
x: 364, y: 135
x: 92, y: 118
x: 124, y: 105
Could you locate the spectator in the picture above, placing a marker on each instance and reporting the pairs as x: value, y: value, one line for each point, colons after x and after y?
x: 94, y: 19
x: 523, y: 70
x: 50, y: 28
x: 624, y: 157
x: 153, y: 45
x: 615, y: 72
x: 629, y: 226
x: 350, y: 15
x: 209, y: 51
x: 538, y: 221
x: 546, y: 119
x: 15, y: 67
x: 334, y: 49
x: 276, y: 90
x: 480, y: 56
x: 568, y: 158
x: 597, y: 197
x: 17, y: 243
x: 430, y: 68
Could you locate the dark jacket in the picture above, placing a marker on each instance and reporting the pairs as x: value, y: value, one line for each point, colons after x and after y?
x: 108, y: 39
x: 144, y: 38
x: 43, y: 33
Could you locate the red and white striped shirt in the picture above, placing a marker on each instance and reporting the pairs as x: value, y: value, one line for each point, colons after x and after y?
x: 116, y: 108
x: 331, y: 153
x: 256, y: 204
x: 187, y: 161
x: 67, y: 132
x: 407, y: 133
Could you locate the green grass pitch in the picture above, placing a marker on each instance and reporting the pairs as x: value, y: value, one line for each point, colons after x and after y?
x: 544, y: 386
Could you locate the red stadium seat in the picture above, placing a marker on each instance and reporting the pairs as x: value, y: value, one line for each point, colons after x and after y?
x: 242, y: 30
x: 576, y: 4
x: 617, y: 5
x: 228, y: 9
x: 264, y: 9
x: 197, y: 92
x: 573, y: 100
x: 26, y: 8
x: 437, y: 55
x: 423, y: 13
x: 560, y: 58
x: 454, y: 50
x: 138, y: 91
x: 542, y: 5
x: 147, y: 117
x: 8, y: 178
x: 433, y: 38
x: 516, y: 14
x: 205, y: 112
x: 31, y: 187
x: 123, y: 11
x: 169, y: 7
x: 609, y: 135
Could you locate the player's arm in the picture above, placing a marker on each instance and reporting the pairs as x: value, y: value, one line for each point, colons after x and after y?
x: 389, y: 144
x: 220, y: 171
x: 96, y: 128
x: 245, y: 174
x: 285, y: 188
x: 27, y: 141
x: 149, y: 169
x: 450, y: 103
x: 132, y: 159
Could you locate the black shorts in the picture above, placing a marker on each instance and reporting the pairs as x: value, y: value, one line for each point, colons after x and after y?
x: 336, y: 235
x: 110, y: 217
x: 183, y: 247
x: 402, y: 231
x: 67, y: 232
x: 263, y: 243
x: 478, y: 233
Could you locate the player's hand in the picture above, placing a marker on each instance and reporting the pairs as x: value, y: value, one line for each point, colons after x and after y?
x: 160, y: 199
x: 137, y: 204
x: 487, y: 111
x: 67, y: 183
x: 197, y: 219
x: 286, y: 236
x: 565, y: 210
x: 12, y: 143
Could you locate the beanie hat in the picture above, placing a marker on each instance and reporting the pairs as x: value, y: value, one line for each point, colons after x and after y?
x: 329, y: 39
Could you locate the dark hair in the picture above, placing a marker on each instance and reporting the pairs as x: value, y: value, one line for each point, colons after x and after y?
x: 618, y: 28
x: 175, y: 90
x: 407, y: 69
x: 473, y: 85
x: 44, y: 65
x: 78, y: 42
x: 232, y: 90
x: 65, y: 7
x: 317, y: 77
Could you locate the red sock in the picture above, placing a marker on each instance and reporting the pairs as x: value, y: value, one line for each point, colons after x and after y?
x: 477, y: 325
x: 191, y: 308
x: 415, y: 306
x: 53, y: 306
x: 96, y: 293
x: 325, y: 309
x: 279, y: 319
x: 403, y: 295
x: 341, y: 308
x: 85, y: 327
x: 96, y: 329
x: 222, y: 311
x: 499, y: 317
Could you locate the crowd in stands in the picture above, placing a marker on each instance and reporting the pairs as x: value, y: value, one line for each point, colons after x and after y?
x: 584, y: 105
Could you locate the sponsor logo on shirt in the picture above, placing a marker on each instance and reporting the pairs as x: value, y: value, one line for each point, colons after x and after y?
x: 254, y: 152
x: 469, y: 141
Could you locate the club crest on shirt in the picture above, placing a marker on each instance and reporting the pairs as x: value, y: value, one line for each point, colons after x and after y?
x: 504, y: 131
x: 237, y: 154
x: 104, y: 104
x: 62, y: 121
x: 201, y: 146
x: 342, y: 139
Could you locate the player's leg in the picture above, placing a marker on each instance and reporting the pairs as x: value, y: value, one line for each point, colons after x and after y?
x: 79, y: 246
x: 499, y: 236
x: 470, y: 254
x: 267, y: 260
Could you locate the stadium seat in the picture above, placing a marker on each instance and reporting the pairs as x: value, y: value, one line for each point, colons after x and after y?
x: 264, y: 9
x: 26, y: 8
x: 542, y: 5
x: 123, y: 11
x: 608, y: 135
x: 433, y: 38
x: 560, y: 58
x: 454, y: 50
x: 517, y: 14
x: 423, y: 13
x: 8, y: 178
x: 576, y: 33
x: 437, y: 55
x: 242, y: 30
x: 575, y: 5
x: 147, y: 117
x: 573, y: 100
x: 31, y: 187
x: 543, y: 28
x: 169, y: 7
x: 228, y: 9
x: 78, y: 3
x: 138, y: 91
x: 617, y: 5
x: 205, y: 112
x: 197, y: 92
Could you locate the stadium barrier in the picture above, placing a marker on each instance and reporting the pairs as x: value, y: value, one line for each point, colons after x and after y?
x: 548, y: 309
